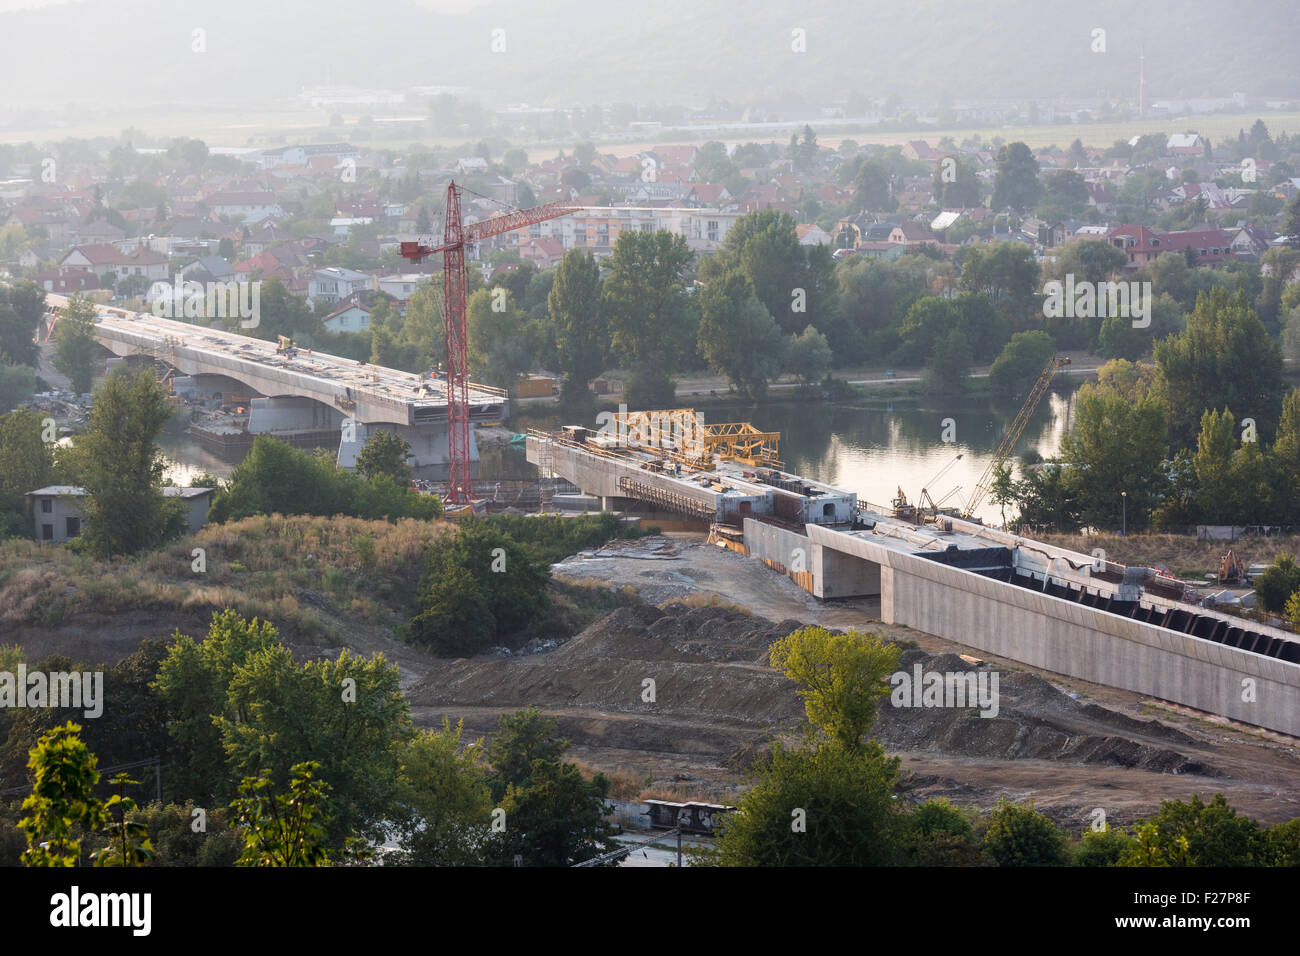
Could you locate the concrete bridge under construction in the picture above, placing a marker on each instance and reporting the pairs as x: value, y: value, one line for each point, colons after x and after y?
x: 304, y: 392
x: 1074, y: 614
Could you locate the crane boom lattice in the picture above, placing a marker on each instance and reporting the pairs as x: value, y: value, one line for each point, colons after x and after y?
x: 1054, y: 365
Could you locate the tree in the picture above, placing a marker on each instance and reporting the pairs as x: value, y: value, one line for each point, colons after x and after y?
x: 523, y: 738
x: 1009, y: 275
x: 947, y: 370
x: 22, y: 305
x: 1196, y: 834
x: 808, y: 356
x: 1090, y: 260
x: 26, y: 459
x: 937, y: 833
x: 62, y: 807
x: 277, y: 478
x: 1291, y: 222
x: 446, y: 798
x: 193, y: 684
x: 1115, y: 446
x: 1278, y: 583
x: 843, y: 677
x: 1016, y: 185
x: 118, y: 463
x: 385, y: 453
x: 955, y: 185
x: 1065, y: 196
x: 479, y: 586
x: 129, y: 843
x: 1132, y: 381
x: 1284, y: 455
x: 559, y: 819
x: 645, y: 302
x: 1213, y: 466
x: 514, y: 160
x: 1021, y: 836
x: 553, y: 816
x: 817, y: 806
x: 75, y: 345
x: 1119, y: 339
x: 738, y: 336
x: 574, y: 307
x: 1101, y: 847
x: 349, y: 712
x: 17, y: 385
x: 285, y: 829
x: 1002, y: 491
x: 1023, y: 359
x: 871, y: 189
x: 1224, y: 358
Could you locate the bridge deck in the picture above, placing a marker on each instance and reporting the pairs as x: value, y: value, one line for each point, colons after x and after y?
x: 317, y: 374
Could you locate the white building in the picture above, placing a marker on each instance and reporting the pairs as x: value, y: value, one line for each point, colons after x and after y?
x: 597, y: 228
x: 58, y: 515
x: 336, y: 283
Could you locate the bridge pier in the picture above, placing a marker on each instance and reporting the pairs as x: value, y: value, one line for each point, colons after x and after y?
x: 291, y: 413
x: 428, y: 447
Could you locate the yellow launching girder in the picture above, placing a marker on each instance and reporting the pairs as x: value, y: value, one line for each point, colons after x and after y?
x: 741, y: 441
x: 683, y: 436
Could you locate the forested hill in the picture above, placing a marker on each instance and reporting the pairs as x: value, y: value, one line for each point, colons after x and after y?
x: 566, y: 52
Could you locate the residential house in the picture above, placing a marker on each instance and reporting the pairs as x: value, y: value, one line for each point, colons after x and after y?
x: 1248, y: 243
x: 1184, y: 144
x: 261, y: 240
x: 811, y: 234
x: 401, y: 287
x: 103, y: 260
x: 919, y: 149
x: 543, y: 251
x: 334, y: 153
x: 350, y: 316
x: 1210, y: 246
x: 208, y: 269
x: 247, y: 207
x: 912, y: 234
x: 336, y: 283
x: 66, y: 281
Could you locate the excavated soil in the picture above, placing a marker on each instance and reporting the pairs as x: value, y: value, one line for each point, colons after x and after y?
x: 1068, y: 745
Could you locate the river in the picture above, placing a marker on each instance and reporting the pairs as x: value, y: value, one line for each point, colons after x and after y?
x: 873, y: 447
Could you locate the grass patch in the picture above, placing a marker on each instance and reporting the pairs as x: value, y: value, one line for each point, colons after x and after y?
x: 706, y: 599
x: 299, y: 572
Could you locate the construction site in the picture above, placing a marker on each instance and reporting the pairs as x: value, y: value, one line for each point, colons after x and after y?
x: 1067, y: 612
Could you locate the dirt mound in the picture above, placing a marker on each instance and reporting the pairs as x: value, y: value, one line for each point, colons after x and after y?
x: 691, y: 680
x: 1033, y: 720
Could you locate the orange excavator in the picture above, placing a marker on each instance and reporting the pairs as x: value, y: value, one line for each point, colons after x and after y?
x: 1231, y: 571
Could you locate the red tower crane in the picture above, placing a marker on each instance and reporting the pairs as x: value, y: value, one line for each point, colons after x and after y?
x: 455, y: 236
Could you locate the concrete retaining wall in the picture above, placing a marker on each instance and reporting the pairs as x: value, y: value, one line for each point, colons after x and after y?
x: 1076, y: 640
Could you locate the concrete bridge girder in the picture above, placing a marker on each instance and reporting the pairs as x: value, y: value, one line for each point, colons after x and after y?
x: 274, y: 410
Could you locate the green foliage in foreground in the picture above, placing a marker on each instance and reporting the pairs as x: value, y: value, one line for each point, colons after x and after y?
x: 278, y: 479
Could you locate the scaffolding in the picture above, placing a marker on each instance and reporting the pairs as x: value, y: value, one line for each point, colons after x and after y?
x: 545, y: 476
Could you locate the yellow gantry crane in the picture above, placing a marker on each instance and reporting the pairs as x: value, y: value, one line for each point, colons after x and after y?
x: 1013, y: 433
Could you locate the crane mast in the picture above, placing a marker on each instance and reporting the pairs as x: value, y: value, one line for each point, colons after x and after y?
x: 455, y: 236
